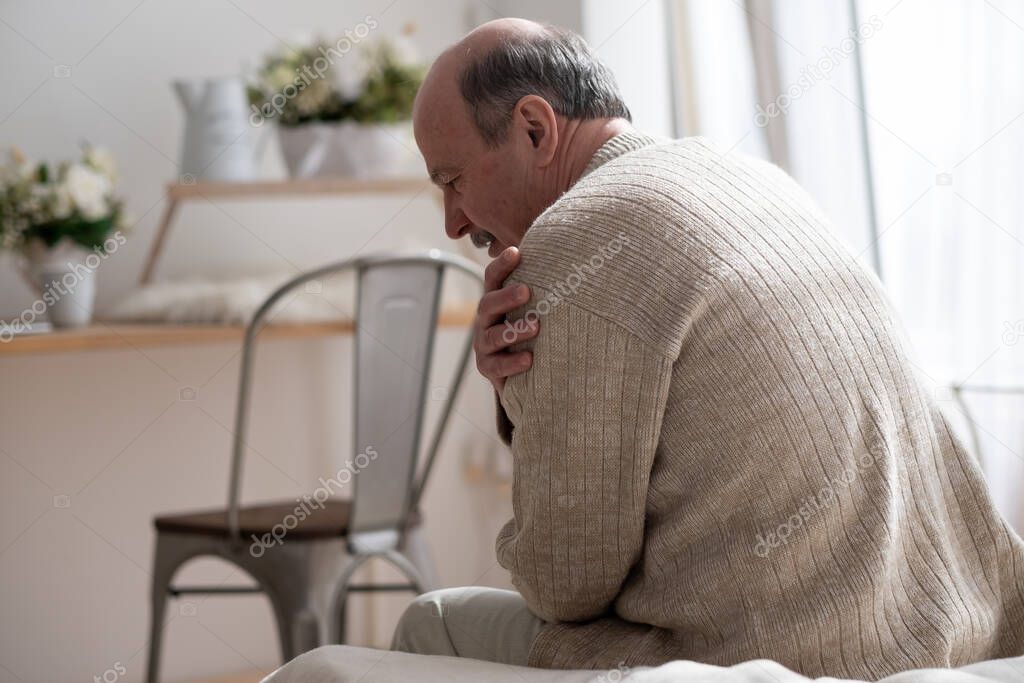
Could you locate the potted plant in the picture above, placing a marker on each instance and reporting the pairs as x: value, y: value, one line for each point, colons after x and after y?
x: 61, y: 222
x: 343, y: 107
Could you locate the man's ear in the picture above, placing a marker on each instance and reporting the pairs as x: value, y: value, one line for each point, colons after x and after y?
x: 533, y: 116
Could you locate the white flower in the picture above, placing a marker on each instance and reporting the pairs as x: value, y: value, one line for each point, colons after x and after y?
x: 103, y: 161
x: 19, y: 166
x: 88, y: 190
x: 62, y: 202
x: 281, y: 76
x: 349, y: 72
x: 352, y: 70
x: 15, y: 171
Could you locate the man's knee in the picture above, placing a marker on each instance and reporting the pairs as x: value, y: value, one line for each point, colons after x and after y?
x: 320, y: 663
x: 421, y: 628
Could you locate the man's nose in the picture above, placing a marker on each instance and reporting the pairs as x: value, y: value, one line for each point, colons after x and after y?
x: 456, y: 224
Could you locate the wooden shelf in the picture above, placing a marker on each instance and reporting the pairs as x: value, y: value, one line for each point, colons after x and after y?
x: 248, y: 677
x: 307, y: 186
x: 107, y: 336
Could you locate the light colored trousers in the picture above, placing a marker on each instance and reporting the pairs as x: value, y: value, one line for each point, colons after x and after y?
x: 478, y: 623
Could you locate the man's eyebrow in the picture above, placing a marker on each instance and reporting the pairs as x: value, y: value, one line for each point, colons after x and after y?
x: 439, y: 174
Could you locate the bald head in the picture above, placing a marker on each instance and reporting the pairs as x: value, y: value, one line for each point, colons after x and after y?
x: 486, y: 37
x: 481, y: 77
x: 443, y: 74
x: 439, y: 104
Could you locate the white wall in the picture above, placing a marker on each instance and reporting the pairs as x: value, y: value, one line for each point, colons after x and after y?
x: 632, y: 39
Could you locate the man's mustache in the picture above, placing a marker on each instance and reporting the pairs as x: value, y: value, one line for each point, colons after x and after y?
x: 481, y: 239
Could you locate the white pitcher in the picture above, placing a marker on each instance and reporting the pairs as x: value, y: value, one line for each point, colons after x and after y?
x: 219, y: 142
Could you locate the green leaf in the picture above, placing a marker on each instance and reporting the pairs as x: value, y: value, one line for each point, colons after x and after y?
x: 88, y: 234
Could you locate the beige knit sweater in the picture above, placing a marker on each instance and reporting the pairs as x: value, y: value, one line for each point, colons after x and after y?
x: 721, y: 452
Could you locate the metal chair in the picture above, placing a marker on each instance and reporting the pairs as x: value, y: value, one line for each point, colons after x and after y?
x: 304, y: 561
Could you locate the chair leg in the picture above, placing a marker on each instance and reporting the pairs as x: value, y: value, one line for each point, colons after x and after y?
x: 337, y: 610
x: 299, y: 578
x: 341, y: 625
x: 298, y: 628
x: 165, y: 564
x: 157, y: 608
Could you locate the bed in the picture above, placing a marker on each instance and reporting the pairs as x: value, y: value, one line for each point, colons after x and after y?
x: 344, y: 664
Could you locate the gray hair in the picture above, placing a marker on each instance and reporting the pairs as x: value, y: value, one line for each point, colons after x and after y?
x: 557, y: 65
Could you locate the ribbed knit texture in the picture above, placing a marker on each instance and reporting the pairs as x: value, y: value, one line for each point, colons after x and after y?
x: 722, y: 453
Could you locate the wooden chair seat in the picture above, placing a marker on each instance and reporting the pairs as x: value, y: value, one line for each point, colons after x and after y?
x: 330, y: 521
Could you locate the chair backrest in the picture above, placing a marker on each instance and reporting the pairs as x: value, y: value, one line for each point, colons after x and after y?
x: 397, y: 314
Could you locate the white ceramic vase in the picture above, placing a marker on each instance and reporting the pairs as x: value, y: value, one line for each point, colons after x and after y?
x: 348, y: 149
x: 65, y: 278
x: 219, y: 142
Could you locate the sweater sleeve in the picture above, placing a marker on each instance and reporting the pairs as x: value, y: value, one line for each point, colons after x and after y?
x: 587, y: 418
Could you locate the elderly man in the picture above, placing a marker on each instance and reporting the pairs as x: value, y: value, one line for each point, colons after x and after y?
x: 720, y: 449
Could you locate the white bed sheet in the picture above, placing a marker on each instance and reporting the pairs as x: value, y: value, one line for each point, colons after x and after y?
x: 345, y: 664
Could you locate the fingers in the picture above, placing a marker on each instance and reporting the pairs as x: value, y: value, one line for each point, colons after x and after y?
x: 491, y: 343
x: 494, y: 306
x: 499, y: 300
x: 493, y: 334
x: 499, y: 337
x: 496, y: 367
x: 500, y: 268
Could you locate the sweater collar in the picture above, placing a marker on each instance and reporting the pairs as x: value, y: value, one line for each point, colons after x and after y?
x: 616, y: 146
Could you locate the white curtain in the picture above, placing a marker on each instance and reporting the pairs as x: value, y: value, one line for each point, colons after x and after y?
x: 944, y: 106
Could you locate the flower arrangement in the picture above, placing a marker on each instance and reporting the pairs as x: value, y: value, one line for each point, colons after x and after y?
x: 362, y: 80
x: 75, y: 201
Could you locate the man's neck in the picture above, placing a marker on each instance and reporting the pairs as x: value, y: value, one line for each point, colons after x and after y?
x: 579, y: 141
